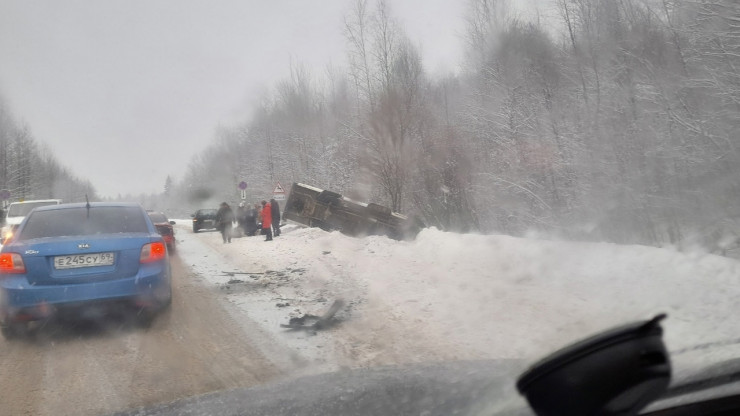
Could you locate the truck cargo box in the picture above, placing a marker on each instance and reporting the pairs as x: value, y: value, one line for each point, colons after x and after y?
x: 314, y: 207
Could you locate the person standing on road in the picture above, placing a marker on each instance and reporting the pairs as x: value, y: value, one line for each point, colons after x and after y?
x: 224, y: 218
x: 258, y: 207
x: 251, y: 220
x: 241, y: 217
x: 267, y: 220
x: 275, y: 211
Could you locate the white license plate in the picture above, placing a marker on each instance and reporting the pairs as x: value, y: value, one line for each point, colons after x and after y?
x: 84, y: 260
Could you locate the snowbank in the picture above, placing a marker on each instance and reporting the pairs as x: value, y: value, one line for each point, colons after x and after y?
x: 462, y: 296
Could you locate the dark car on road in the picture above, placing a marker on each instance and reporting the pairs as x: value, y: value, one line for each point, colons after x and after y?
x: 164, y: 228
x: 204, y: 219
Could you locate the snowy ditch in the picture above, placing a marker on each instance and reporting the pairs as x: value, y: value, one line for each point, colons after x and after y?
x: 449, y: 296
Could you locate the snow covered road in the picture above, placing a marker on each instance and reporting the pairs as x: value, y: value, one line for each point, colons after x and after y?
x: 98, y: 368
x: 442, y: 297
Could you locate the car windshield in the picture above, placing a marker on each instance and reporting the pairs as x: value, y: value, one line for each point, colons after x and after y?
x: 22, y: 209
x: 157, y: 217
x: 80, y: 221
x: 370, y: 185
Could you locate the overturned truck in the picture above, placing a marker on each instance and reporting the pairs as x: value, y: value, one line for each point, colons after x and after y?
x: 329, y: 211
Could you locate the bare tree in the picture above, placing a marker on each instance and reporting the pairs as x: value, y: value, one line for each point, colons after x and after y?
x: 623, y: 128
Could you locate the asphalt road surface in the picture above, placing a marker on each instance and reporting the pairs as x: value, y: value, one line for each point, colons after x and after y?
x: 112, y: 365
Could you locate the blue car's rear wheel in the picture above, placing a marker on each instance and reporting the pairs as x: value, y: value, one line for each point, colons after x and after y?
x: 167, y: 301
x: 145, y: 316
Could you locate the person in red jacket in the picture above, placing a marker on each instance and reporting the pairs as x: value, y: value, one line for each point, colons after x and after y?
x: 267, y: 220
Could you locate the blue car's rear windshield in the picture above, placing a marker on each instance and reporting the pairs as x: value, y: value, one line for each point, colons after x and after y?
x: 78, y: 221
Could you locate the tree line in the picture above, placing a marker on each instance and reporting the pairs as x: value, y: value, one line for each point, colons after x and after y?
x: 29, y: 169
x: 615, y: 121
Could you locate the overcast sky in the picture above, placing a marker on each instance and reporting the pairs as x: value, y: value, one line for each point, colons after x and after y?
x: 125, y: 92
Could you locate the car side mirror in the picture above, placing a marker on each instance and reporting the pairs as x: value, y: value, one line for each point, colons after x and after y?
x: 192, y: 215
x: 172, y: 223
x: 616, y: 372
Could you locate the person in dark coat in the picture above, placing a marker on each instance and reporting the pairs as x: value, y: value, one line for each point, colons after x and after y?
x: 224, y: 218
x: 251, y: 220
x: 275, y: 211
x: 267, y: 220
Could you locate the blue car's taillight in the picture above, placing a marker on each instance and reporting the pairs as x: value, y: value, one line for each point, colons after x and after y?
x: 11, y: 263
x: 153, y: 252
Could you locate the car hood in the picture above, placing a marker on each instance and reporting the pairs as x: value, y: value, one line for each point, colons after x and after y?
x: 464, y: 388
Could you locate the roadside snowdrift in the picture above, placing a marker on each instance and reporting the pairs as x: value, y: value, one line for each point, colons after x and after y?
x: 461, y: 296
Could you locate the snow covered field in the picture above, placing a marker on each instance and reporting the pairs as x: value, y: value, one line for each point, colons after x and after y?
x: 451, y: 296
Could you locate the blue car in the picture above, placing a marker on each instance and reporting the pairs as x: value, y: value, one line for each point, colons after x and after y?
x: 72, y: 258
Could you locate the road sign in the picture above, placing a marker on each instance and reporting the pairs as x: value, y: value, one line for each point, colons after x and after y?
x: 278, y: 189
x: 4, y: 196
x: 244, y: 194
x: 279, y: 192
x: 242, y: 185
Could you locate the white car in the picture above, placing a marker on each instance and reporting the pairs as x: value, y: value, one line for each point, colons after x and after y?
x: 17, y: 211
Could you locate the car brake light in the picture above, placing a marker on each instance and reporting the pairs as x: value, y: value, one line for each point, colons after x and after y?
x: 153, y: 252
x: 11, y: 263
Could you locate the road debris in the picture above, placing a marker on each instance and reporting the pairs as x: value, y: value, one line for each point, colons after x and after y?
x: 235, y: 273
x: 312, y: 322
